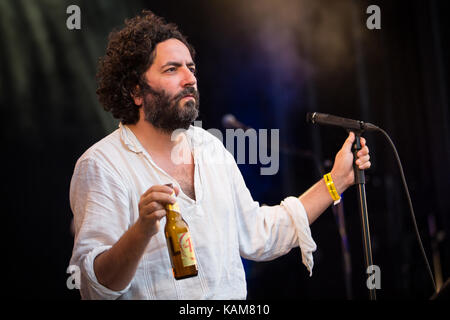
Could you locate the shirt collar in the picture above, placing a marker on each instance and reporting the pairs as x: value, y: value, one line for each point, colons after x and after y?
x: 129, y: 139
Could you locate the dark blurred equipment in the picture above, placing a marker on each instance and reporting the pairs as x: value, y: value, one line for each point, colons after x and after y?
x: 411, y: 209
x: 436, y: 236
x: 229, y: 121
x: 443, y: 293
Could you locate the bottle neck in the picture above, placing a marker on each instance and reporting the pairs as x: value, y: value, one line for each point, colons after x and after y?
x: 173, y: 211
x: 173, y: 215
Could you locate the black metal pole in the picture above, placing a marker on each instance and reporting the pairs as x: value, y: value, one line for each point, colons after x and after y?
x: 360, y: 180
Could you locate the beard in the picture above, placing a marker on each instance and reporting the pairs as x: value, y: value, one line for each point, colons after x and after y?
x: 167, y: 113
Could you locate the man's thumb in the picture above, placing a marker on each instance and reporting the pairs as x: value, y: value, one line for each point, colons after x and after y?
x: 349, y: 142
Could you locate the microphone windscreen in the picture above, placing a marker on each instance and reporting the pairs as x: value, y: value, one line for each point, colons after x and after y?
x: 228, y: 121
x: 310, y: 117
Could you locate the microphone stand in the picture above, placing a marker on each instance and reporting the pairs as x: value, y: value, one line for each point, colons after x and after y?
x: 360, y: 180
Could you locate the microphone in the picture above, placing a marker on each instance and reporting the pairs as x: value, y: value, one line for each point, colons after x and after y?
x: 229, y: 121
x: 327, y: 119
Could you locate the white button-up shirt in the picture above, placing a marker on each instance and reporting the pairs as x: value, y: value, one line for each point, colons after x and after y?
x: 225, y: 222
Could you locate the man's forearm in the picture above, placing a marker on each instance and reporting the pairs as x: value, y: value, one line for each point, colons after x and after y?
x: 115, y: 268
x: 317, y: 199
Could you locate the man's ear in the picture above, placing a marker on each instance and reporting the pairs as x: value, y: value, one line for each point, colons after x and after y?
x: 136, y: 96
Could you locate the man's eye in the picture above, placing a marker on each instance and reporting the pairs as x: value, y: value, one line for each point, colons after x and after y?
x: 193, y: 70
x: 170, y: 69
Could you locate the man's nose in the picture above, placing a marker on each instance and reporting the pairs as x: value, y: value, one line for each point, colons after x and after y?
x: 189, y: 78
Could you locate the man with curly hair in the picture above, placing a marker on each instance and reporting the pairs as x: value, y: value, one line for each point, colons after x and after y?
x: 118, y: 190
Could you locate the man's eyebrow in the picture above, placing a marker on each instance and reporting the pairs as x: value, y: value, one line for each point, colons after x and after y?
x: 177, y: 64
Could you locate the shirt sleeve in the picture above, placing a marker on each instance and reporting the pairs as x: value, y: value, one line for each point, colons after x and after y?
x: 100, y: 207
x: 267, y: 232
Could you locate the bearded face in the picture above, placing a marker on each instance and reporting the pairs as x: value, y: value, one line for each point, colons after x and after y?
x: 169, y: 113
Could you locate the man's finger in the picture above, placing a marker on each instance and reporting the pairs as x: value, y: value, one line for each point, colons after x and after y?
x: 363, y: 142
x: 163, y: 198
x: 364, y: 151
x: 349, y: 142
x: 365, y: 166
x: 177, y: 190
x: 158, y: 188
x: 362, y: 159
x: 159, y: 214
x: 153, y: 206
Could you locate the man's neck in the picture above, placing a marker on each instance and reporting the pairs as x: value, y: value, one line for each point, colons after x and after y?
x: 154, y: 140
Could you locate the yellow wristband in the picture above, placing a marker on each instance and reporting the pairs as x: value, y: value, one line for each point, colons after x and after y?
x: 331, y: 188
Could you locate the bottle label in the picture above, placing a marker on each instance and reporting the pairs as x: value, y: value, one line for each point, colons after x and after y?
x: 187, y: 250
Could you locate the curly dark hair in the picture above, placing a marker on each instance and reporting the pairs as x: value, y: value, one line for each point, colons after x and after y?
x: 129, y: 54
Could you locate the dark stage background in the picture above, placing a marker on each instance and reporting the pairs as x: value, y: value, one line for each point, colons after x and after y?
x: 268, y: 62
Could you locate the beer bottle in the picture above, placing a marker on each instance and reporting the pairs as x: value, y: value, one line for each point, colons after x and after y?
x: 181, y: 250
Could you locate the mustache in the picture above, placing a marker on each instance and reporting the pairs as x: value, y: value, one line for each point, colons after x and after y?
x: 189, y: 91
